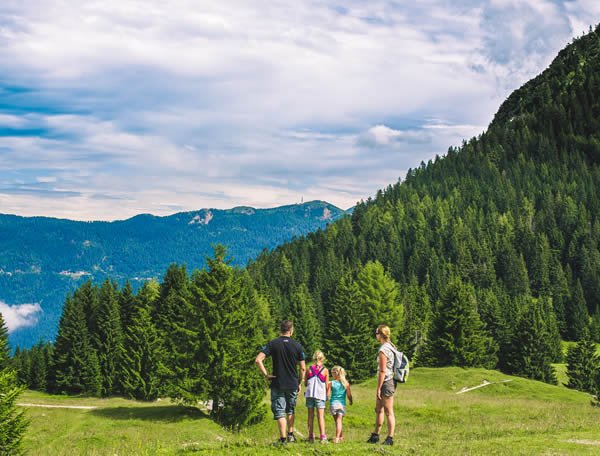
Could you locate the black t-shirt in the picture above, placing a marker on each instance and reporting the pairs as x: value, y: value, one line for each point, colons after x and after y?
x: 286, y: 354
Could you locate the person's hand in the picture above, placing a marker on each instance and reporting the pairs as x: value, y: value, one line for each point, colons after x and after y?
x: 270, y: 377
x: 379, y: 393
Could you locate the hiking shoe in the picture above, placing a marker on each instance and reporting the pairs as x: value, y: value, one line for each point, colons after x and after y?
x: 373, y: 439
x: 323, y: 439
x: 388, y: 441
x: 291, y: 437
x: 311, y: 438
x: 281, y: 442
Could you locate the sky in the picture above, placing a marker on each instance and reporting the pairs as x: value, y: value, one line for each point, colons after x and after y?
x: 113, y: 108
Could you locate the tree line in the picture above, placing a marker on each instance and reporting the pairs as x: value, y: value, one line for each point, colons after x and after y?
x: 192, y: 338
x: 488, y: 256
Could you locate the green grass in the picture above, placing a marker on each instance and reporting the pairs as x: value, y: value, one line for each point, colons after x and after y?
x: 516, y: 417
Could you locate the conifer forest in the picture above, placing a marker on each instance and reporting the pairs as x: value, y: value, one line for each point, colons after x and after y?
x: 487, y: 256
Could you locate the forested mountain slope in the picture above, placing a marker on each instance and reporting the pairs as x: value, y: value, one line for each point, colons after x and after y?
x: 509, y: 222
x: 41, y: 259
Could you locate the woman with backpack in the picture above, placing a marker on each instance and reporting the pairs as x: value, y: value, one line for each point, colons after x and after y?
x: 386, y: 386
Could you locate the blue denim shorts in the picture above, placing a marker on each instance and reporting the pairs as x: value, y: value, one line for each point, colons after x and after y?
x: 313, y: 402
x: 283, y: 402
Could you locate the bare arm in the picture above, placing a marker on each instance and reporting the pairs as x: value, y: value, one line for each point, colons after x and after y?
x: 327, y: 382
x: 302, y: 374
x: 382, y: 362
x: 349, y: 393
x: 261, y: 367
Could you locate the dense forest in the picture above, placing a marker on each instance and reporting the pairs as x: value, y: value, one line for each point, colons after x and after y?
x: 41, y: 259
x: 494, y: 245
x: 487, y: 256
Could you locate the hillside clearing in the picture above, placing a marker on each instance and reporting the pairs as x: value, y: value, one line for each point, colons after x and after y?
x: 506, y: 417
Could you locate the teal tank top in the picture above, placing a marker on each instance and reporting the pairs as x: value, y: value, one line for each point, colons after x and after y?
x: 338, y: 393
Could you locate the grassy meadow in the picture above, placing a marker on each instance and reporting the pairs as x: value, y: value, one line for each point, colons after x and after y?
x: 518, y: 416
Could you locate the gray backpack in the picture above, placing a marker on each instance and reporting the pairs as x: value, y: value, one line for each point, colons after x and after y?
x: 401, y: 369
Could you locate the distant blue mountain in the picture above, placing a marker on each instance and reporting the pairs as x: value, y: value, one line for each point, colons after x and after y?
x: 42, y: 259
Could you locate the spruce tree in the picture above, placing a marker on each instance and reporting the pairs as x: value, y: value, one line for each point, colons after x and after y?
x: 418, y: 317
x: 4, y: 347
x: 223, y: 343
x: 578, y: 318
x: 127, y: 304
x: 12, y: 421
x: 379, y: 293
x: 457, y: 336
x: 304, y: 315
x: 531, y: 352
x: 143, y: 371
x: 171, y: 313
x: 350, y: 340
x: 109, y: 339
x: 73, y: 366
x: 39, y: 369
x: 582, y: 364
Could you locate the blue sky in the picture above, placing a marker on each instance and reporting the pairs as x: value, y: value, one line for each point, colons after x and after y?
x: 110, y: 109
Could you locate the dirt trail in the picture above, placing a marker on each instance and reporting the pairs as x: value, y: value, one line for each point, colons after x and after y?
x: 85, y: 407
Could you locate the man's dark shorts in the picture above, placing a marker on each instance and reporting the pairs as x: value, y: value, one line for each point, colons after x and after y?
x: 283, y: 402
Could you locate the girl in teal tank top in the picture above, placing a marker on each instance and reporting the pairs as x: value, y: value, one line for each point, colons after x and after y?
x: 337, y: 391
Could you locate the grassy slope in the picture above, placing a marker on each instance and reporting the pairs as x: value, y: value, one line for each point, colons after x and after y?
x: 516, y: 417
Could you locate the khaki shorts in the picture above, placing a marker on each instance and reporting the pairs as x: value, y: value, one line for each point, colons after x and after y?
x: 388, y: 388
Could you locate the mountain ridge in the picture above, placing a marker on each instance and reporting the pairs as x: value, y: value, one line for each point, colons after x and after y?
x: 43, y: 258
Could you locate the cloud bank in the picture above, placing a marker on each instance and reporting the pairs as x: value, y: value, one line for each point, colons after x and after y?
x: 20, y: 315
x: 163, y: 107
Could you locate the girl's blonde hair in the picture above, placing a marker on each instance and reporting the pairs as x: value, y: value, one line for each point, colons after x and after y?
x: 339, y: 372
x: 319, y: 357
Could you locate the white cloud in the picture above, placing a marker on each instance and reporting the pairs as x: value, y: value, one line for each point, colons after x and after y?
x: 20, y: 315
x: 187, y: 104
x: 380, y: 135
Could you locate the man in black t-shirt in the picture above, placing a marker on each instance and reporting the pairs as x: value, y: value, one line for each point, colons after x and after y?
x: 285, y: 383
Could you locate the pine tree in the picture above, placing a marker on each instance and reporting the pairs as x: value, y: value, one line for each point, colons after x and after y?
x: 127, y: 304
x: 39, y: 369
x: 109, y: 339
x: 379, y: 293
x: 578, y: 318
x: 172, y: 314
x: 457, y: 337
x: 4, y: 347
x: 73, y: 366
x: 223, y: 343
x: 582, y: 364
x: 143, y: 371
x: 595, y: 326
x: 306, y: 326
x: 418, y: 319
x: 12, y: 422
x: 350, y: 339
x: 532, y: 345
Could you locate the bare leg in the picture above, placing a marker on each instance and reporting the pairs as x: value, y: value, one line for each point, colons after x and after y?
x: 338, y: 426
x: 290, y: 423
x: 321, y: 419
x: 388, y: 405
x: 311, y: 421
x: 379, y: 415
x: 281, y: 426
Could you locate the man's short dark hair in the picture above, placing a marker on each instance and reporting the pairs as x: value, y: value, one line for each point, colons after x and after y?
x: 286, y: 326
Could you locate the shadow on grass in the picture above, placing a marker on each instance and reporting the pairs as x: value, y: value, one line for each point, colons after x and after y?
x: 166, y: 413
